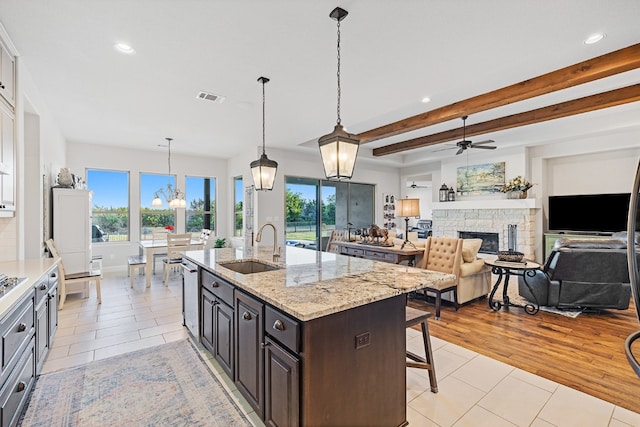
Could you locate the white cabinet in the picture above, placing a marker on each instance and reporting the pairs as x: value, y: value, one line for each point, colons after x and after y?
x: 72, y: 228
x: 7, y: 75
x: 7, y: 162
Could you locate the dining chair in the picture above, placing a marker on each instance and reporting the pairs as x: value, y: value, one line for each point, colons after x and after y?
x: 177, y: 245
x: 205, y: 236
x: 70, y: 279
x: 158, y: 235
x: 443, y: 254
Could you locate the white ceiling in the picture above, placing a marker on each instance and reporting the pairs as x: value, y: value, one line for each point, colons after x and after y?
x: 393, y: 54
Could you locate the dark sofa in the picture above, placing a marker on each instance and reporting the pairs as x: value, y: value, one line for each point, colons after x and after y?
x: 582, y: 273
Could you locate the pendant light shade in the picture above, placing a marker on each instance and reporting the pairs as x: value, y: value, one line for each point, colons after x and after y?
x: 338, y: 149
x: 264, y: 169
x: 174, y: 197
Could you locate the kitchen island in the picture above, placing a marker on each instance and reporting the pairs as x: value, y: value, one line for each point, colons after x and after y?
x: 318, y: 341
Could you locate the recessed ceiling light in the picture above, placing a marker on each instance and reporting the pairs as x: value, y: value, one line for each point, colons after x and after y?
x: 124, y: 48
x: 594, y: 38
x: 426, y: 99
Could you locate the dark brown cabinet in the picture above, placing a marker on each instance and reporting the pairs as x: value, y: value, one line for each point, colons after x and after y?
x: 281, y: 386
x: 216, y: 314
x: 217, y: 330
x: 249, y: 324
x: 316, y: 372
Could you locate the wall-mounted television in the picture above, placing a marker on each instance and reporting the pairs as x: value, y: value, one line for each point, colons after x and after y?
x: 589, y: 213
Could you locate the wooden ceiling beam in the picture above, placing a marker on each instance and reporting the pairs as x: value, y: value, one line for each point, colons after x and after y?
x: 599, y: 101
x: 600, y: 67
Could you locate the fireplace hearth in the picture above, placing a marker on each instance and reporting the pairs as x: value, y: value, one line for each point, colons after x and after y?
x: 490, y: 241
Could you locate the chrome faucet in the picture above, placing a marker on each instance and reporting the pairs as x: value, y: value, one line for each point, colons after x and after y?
x: 276, y: 252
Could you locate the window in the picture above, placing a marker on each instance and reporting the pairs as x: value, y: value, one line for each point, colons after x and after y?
x: 152, y: 217
x: 237, y: 203
x: 109, y: 205
x: 315, y: 207
x: 201, y: 204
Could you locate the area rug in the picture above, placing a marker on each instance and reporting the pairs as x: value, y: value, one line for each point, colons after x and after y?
x: 515, y: 298
x: 167, y: 385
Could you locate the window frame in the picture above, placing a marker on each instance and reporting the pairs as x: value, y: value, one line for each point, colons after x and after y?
x: 94, y: 216
x: 213, y: 197
x: 238, y: 211
x: 150, y: 211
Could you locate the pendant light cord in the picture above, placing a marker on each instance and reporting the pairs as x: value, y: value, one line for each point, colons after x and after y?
x: 338, y: 73
x: 169, y: 158
x: 263, y: 116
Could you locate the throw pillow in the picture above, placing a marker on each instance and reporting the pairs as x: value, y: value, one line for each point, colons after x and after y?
x: 470, y: 248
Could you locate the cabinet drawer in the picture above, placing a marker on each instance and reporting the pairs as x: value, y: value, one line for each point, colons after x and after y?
x: 354, y: 252
x: 17, y: 329
x: 217, y: 286
x: 282, y: 328
x: 379, y: 256
x: 14, y: 394
x: 42, y: 288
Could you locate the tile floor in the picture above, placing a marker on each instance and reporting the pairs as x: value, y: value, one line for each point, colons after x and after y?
x: 474, y: 390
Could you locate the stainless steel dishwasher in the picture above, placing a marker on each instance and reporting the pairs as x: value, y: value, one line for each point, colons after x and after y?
x: 190, y: 300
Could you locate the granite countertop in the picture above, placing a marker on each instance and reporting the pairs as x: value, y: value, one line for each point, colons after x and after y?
x: 311, y: 284
x: 32, y: 269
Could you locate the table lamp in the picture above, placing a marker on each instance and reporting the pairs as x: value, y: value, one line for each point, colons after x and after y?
x: 407, y: 208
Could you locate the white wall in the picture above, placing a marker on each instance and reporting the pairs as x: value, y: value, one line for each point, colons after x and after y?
x: 22, y: 236
x: 88, y: 156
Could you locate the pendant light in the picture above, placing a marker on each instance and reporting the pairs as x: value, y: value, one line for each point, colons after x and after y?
x: 263, y: 170
x: 175, y: 198
x: 339, y: 148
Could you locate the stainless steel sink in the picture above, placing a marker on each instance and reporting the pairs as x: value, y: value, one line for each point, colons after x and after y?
x: 248, y: 267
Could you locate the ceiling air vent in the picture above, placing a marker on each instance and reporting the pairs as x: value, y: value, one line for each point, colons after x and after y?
x: 210, y: 97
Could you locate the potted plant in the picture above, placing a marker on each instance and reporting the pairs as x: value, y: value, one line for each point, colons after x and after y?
x: 516, y: 188
x: 220, y: 243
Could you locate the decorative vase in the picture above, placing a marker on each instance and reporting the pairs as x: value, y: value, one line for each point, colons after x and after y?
x: 65, y: 177
x: 517, y: 195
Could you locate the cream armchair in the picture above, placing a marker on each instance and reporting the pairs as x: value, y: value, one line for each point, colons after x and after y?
x: 459, y: 257
x: 475, y: 276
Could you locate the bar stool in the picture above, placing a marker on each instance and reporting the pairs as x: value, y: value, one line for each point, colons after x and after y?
x: 413, y: 317
x: 135, y: 262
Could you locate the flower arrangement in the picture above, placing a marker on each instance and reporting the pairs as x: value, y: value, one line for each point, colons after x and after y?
x: 168, y: 227
x: 516, y: 184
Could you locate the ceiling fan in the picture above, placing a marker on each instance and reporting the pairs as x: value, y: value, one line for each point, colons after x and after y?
x: 464, y: 144
x: 414, y: 185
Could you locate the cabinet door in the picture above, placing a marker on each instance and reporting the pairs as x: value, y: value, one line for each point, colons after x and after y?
x: 249, y: 325
x: 7, y: 157
x: 53, y: 312
x: 207, y: 320
x: 281, y: 386
x: 42, y: 332
x: 223, y: 337
x: 72, y: 228
x: 7, y: 75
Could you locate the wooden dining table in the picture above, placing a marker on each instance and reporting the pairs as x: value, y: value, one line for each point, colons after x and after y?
x: 149, y: 247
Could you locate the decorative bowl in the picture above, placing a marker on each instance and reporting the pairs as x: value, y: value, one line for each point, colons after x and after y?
x: 510, y: 256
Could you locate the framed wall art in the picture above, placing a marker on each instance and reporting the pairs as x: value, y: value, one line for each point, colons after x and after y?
x: 480, y: 179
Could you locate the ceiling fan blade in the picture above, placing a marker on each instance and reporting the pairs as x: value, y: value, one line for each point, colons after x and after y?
x: 486, y: 147
x: 484, y: 142
x: 443, y: 149
x: 460, y: 150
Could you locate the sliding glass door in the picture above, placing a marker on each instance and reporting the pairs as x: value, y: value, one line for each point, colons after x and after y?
x: 314, y: 208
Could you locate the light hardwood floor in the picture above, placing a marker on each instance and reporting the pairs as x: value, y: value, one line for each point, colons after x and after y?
x: 585, y: 353
x: 484, y: 360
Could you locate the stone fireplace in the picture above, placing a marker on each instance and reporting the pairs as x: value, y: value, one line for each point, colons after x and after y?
x: 490, y: 241
x: 495, y: 219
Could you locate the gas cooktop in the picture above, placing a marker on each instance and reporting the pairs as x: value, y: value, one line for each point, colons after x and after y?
x: 7, y: 283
